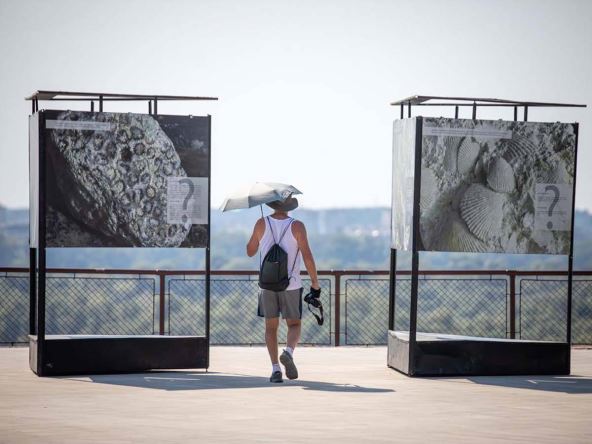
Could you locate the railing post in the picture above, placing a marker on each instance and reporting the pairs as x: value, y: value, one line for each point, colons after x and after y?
x: 32, y: 290
x: 512, y: 276
x: 161, y: 303
x: 337, y: 316
x: 392, y: 289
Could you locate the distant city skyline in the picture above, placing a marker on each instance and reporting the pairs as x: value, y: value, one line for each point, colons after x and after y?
x: 304, y: 87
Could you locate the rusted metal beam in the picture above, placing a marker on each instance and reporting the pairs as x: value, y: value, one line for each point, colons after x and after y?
x: 320, y: 272
x: 512, y: 276
x: 337, y: 315
x: 161, y: 305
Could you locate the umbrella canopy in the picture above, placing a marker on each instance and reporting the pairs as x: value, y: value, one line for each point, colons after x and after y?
x: 258, y: 194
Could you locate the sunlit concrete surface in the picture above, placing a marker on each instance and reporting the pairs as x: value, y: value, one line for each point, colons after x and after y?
x: 344, y: 395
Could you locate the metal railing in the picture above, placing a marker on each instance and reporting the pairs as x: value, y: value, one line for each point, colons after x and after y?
x: 501, y: 303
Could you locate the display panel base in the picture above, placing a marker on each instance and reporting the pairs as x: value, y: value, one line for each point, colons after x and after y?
x: 94, y: 354
x: 452, y: 355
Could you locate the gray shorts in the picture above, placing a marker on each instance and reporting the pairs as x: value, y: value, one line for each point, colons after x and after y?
x: 287, y: 302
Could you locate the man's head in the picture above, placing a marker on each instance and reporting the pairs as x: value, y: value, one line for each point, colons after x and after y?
x: 289, y: 204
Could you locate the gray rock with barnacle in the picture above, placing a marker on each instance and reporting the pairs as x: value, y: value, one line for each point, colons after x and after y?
x: 113, y: 182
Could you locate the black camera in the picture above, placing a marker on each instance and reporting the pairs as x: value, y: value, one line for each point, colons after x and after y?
x: 313, y: 297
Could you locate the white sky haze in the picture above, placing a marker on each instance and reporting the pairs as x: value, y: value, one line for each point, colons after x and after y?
x: 304, y: 86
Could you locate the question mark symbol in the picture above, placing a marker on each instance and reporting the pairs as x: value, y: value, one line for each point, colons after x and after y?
x: 555, y: 200
x: 191, y: 186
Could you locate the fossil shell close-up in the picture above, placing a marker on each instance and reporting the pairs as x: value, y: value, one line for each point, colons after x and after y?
x: 429, y: 189
x: 450, y: 153
x: 482, y: 210
x: 456, y: 237
x: 557, y: 174
x: 518, y: 149
x: 468, y: 152
x: 500, y: 176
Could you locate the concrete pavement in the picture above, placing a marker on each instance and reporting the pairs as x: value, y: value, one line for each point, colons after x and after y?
x: 345, y: 395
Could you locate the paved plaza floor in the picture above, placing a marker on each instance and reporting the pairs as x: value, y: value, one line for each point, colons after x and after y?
x: 345, y: 395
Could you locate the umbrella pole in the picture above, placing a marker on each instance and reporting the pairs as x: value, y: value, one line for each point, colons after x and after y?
x: 261, y: 207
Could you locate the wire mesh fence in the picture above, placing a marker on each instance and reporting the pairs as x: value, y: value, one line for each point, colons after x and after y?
x: 543, y: 310
x: 14, y: 308
x: 103, y: 303
x: 79, y: 305
x: 465, y: 306
x: 233, y: 311
x: 100, y: 305
x: 582, y: 311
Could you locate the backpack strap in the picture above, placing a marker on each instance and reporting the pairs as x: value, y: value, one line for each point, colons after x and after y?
x: 278, y: 242
x: 297, y: 250
x: 268, y: 223
x: 285, y: 230
x: 271, y: 228
x: 294, y: 263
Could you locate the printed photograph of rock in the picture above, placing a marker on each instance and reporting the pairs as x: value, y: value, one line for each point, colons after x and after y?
x: 107, y: 178
x: 496, y: 186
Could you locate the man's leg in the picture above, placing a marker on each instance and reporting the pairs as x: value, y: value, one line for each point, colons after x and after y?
x: 294, y: 328
x: 291, y: 308
x: 271, y: 328
x: 269, y: 308
x: 287, y: 358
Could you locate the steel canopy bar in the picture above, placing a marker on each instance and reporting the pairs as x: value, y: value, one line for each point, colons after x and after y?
x: 74, y: 96
x: 481, y: 101
x: 500, y: 105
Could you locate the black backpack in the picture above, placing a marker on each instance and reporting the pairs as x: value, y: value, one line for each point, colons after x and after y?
x: 273, y: 274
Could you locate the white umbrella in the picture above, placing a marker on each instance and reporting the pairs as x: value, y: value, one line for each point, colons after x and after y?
x: 258, y: 194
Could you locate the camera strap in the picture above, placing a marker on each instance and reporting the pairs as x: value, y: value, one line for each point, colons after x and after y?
x: 320, y: 319
x: 316, y: 303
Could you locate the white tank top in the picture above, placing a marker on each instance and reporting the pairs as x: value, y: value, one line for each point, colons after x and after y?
x: 288, y: 243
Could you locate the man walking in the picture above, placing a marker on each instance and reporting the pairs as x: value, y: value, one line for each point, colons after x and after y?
x: 290, y: 235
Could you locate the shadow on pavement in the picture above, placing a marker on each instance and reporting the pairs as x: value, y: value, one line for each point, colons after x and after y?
x: 184, y: 380
x: 560, y: 384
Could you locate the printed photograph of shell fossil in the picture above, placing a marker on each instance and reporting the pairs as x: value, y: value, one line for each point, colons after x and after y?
x: 478, y: 181
x: 107, y: 182
x: 403, y: 176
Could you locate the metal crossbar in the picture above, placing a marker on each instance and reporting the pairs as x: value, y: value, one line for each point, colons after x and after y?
x: 460, y: 302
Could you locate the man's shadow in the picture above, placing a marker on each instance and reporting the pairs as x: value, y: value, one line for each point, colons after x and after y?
x: 190, y: 380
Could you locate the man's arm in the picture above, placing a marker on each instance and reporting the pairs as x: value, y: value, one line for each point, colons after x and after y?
x: 258, y: 231
x: 299, y: 232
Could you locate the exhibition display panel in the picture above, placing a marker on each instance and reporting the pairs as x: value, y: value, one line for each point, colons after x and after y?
x: 479, y: 186
x: 107, y: 179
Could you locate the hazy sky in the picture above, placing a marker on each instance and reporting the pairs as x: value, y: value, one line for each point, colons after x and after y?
x: 304, y: 86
